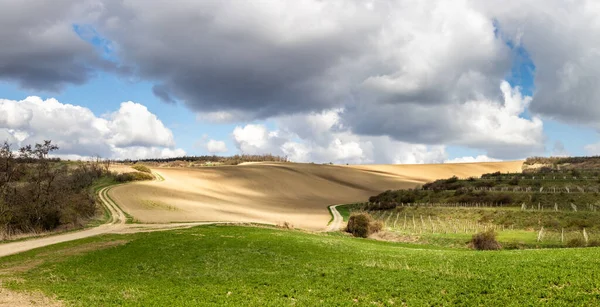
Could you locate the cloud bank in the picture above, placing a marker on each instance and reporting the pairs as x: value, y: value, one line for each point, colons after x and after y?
x: 405, y: 74
x: 129, y: 132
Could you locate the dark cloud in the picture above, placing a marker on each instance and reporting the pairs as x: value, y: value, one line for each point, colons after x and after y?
x: 40, y: 50
x: 162, y: 92
x: 215, y: 56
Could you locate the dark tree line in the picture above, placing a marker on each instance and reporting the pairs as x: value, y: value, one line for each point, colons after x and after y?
x: 39, y: 194
x: 231, y: 160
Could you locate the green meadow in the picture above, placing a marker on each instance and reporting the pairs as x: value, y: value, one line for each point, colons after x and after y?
x: 261, y: 266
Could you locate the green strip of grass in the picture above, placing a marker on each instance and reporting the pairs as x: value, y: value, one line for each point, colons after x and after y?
x: 159, y: 177
x: 346, y: 210
x: 248, y: 266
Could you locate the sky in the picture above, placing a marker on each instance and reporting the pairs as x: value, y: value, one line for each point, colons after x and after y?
x: 354, y: 82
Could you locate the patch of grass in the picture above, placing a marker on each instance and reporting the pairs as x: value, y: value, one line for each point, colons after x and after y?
x: 103, y: 182
x: 159, y: 177
x: 247, y: 266
x: 141, y: 168
x: 150, y: 204
x: 346, y: 210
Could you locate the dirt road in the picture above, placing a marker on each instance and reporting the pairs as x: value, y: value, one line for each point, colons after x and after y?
x: 338, y: 220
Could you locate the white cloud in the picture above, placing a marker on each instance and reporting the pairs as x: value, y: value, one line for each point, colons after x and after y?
x: 256, y: 139
x: 134, y: 125
x: 214, y: 146
x: 321, y: 138
x: 139, y: 152
x: 479, y: 158
x: 497, y: 127
x: 130, y: 132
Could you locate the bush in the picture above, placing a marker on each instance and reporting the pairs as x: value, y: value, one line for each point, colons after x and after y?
x: 485, y: 241
x: 133, y: 176
x: 362, y: 225
x: 375, y: 226
x: 578, y: 242
x: 141, y: 168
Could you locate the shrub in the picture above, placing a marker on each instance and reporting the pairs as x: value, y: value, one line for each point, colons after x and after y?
x: 362, y: 225
x: 375, y: 226
x: 133, y: 176
x: 485, y: 241
x: 578, y: 242
x: 141, y: 168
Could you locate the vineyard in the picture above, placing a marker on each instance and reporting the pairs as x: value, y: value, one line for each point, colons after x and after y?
x: 551, y: 209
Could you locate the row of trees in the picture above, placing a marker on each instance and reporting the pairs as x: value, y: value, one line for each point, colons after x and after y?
x: 39, y: 194
x: 231, y: 160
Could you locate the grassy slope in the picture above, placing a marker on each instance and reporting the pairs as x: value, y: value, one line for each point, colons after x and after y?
x: 228, y: 265
x: 345, y: 210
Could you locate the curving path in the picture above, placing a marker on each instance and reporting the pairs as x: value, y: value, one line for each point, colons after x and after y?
x: 115, y: 224
x: 338, y: 220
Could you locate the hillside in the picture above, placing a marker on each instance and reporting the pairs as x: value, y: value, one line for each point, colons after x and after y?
x: 276, y: 192
x: 546, y: 206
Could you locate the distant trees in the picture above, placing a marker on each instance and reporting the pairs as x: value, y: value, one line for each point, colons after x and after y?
x: 231, y: 160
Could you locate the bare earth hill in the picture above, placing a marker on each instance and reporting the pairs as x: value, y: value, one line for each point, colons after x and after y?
x: 276, y: 192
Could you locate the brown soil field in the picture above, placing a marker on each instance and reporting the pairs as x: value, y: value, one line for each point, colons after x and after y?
x: 276, y: 192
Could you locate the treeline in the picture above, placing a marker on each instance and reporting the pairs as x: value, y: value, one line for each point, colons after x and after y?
x: 230, y: 160
x: 562, y: 160
x: 38, y: 193
x: 391, y: 199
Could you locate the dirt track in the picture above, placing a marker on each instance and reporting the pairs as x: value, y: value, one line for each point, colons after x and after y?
x: 337, y: 221
x: 276, y: 192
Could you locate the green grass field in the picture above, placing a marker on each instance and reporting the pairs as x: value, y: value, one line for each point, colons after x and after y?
x: 257, y: 266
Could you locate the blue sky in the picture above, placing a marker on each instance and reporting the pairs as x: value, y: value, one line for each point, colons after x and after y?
x: 276, y: 99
